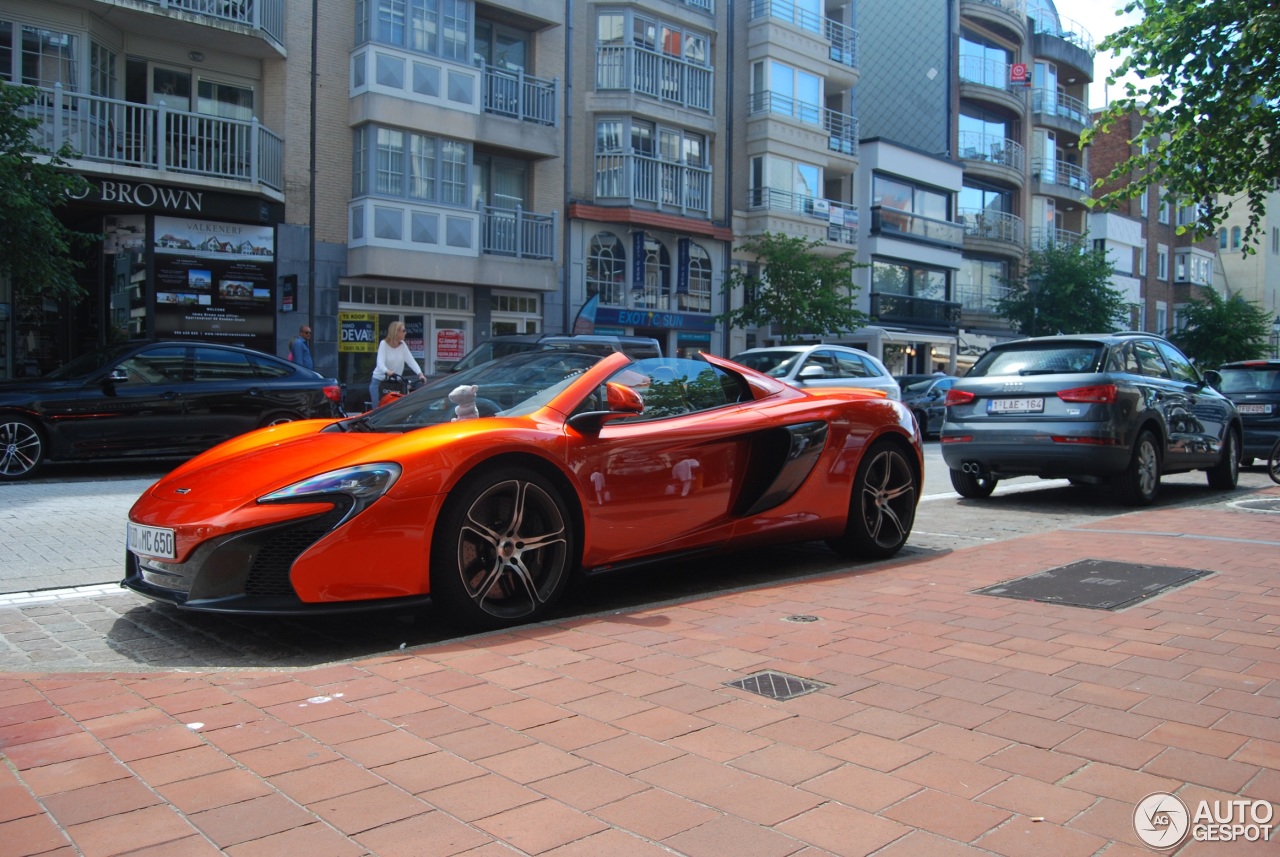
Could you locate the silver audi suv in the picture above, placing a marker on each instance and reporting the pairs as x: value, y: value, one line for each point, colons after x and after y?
x: 1115, y: 408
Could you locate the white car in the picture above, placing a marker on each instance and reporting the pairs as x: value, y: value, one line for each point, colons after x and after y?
x: 821, y: 366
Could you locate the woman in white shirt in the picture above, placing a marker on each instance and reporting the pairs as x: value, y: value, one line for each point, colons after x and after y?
x: 393, y: 357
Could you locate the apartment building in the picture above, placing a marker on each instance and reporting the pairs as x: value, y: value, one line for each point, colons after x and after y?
x: 1256, y: 276
x: 1000, y: 86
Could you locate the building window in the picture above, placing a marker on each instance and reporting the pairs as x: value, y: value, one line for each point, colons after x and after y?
x: 894, y: 195
x: 1163, y: 214
x: 1235, y: 238
x: 654, y: 57
x: 42, y: 57
x: 1162, y: 263
x: 778, y: 88
x: 1275, y: 241
x: 437, y: 27
x: 906, y: 278
x: 1222, y: 238
x: 415, y: 166
x: 698, y: 298
x: 1143, y: 204
x: 1142, y: 261
x: 607, y: 269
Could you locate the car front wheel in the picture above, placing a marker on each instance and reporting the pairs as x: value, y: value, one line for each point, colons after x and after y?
x: 22, y: 448
x: 1226, y: 473
x: 1140, y: 482
x: 972, y: 485
x: 882, y: 507
x: 503, y: 549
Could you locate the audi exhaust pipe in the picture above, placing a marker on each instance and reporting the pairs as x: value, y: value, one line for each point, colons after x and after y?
x: 971, y: 467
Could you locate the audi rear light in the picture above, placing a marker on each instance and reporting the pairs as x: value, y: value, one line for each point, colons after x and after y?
x: 959, y: 397
x: 333, y: 393
x: 1098, y: 394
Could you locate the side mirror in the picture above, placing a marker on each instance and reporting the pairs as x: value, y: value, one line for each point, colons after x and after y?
x: 812, y: 371
x: 117, y: 376
x: 620, y: 401
x: 1214, y: 378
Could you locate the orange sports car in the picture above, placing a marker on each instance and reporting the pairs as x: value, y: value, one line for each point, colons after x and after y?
x: 487, y: 492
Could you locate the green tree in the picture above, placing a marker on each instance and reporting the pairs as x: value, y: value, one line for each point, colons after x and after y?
x: 1209, y: 97
x: 793, y: 287
x: 36, y: 248
x: 1064, y: 289
x: 1219, y: 330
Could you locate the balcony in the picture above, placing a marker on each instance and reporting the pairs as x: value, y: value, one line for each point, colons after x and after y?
x: 517, y: 233
x: 916, y: 311
x: 1064, y: 42
x: 841, y: 130
x: 1060, y: 110
x: 1010, y: 15
x: 266, y: 16
x: 1044, y: 237
x: 895, y: 223
x: 683, y: 189
x: 519, y: 96
x: 841, y: 220
x: 646, y: 72
x: 993, y: 157
x: 843, y: 40
x: 980, y: 297
x: 995, y: 231
x: 1052, y: 173
x: 121, y: 133
x: 992, y: 82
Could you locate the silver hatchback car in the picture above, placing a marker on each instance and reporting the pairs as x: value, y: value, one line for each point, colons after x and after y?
x: 821, y: 366
x: 1114, y: 408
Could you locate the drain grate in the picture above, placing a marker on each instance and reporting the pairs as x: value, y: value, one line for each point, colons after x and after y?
x: 1095, y: 583
x: 776, y: 685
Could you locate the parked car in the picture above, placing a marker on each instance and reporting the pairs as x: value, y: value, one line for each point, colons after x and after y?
x: 1119, y: 408
x: 821, y: 366
x: 574, y: 464
x: 927, y: 400
x: 1254, y: 385
x: 905, y: 381
x: 152, y: 399
x: 500, y: 346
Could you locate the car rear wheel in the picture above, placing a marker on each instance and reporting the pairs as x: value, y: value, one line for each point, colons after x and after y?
x: 972, y: 485
x: 1226, y: 473
x: 1140, y: 482
x: 503, y: 549
x: 22, y: 448
x: 882, y: 507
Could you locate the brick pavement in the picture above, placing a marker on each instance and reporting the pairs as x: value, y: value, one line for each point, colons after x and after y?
x: 951, y: 723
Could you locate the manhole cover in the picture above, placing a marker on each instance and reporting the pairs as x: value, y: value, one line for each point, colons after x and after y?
x: 1096, y: 583
x: 801, y: 618
x: 776, y: 685
x: 1267, y: 505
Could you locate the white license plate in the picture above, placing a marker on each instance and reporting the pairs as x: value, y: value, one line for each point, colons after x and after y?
x: 1015, y: 406
x: 151, y: 541
x: 1254, y: 409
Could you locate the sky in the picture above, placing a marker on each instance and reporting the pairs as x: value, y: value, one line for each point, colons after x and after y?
x: 1100, y: 19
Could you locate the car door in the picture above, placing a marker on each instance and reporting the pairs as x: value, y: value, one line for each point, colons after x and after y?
x: 1209, y: 413
x: 664, y: 481
x: 136, y: 406
x: 1174, y: 403
x: 231, y: 394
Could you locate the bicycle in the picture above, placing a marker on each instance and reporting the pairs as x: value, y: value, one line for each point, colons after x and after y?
x: 1273, y: 462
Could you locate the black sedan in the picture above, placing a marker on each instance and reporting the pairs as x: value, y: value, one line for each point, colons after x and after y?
x: 927, y: 400
x: 153, y: 399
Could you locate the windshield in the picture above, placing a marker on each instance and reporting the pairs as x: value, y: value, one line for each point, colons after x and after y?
x: 774, y: 363
x: 89, y: 364
x: 508, y: 387
x: 1040, y: 359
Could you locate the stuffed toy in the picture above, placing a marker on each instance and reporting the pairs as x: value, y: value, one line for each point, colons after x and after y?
x: 464, y: 397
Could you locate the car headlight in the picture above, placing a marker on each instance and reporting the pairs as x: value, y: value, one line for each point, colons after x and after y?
x: 362, y: 484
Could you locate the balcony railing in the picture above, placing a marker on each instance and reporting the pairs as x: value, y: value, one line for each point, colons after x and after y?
x: 841, y: 218
x: 655, y: 74
x: 989, y: 73
x: 980, y: 297
x: 1043, y: 237
x: 517, y: 233
x: 906, y: 224
x: 636, y: 178
x: 1061, y: 173
x: 843, y: 39
x: 993, y: 149
x: 520, y: 96
x: 1016, y: 7
x: 840, y: 128
x: 154, y: 137
x: 1060, y: 104
x: 993, y: 225
x: 1068, y: 31
x: 265, y: 15
x: 925, y: 312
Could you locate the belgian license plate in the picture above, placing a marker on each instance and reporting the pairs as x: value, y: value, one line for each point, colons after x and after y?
x: 1015, y: 406
x: 1254, y: 409
x: 151, y: 541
